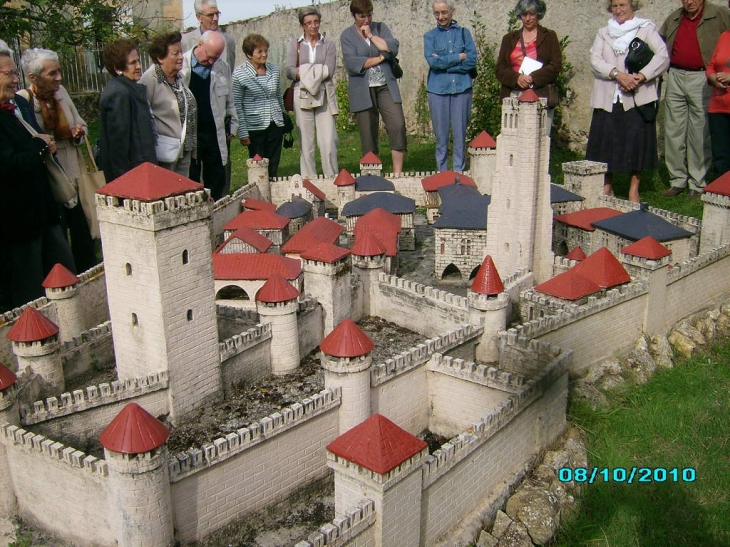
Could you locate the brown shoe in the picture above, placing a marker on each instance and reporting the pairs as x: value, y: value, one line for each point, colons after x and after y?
x: 672, y: 192
x: 694, y: 194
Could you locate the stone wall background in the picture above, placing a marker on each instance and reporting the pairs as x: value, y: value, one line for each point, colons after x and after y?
x: 410, y: 19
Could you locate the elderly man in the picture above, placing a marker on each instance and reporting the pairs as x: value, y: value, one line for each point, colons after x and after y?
x: 206, y: 11
x: 691, y: 33
x: 209, y: 79
x: 451, y: 54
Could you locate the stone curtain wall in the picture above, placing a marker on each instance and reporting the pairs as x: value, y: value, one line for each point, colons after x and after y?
x: 409, y: 20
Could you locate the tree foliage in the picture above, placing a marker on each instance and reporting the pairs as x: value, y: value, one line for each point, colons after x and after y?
x: 60, y: 24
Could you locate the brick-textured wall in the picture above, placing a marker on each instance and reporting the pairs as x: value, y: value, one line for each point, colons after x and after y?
x: 404, y: 400
x: 251, y: 365
x: 456, y: 251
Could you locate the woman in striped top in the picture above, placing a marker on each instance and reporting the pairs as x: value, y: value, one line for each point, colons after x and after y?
x: 259, y: 103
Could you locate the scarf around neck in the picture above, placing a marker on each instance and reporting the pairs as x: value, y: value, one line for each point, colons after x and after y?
x: 624, y: 33
x: 54, y: 118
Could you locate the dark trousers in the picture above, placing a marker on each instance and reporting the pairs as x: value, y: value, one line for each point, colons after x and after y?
x: 210, y: 165
x: 267, y: 144
x: 720, y: 139
x: 24, y: 266
x: 73, y: 223
x: 368, y: 122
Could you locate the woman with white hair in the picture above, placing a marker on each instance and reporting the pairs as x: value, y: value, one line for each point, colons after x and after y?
x: 57, y: 116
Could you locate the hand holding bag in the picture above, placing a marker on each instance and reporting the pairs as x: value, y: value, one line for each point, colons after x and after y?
x: 640, y: 55
x: 88, y: 183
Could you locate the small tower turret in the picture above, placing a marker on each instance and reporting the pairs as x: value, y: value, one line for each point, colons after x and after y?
x: 62, y: 288
x: 327, y: 277
x: 277, y: 303
x: 483, y: 161
x: 370, y: 164
x: 258, y: 174
x: 489, y: 307
x: 345, y: 183
x: 368, y: 262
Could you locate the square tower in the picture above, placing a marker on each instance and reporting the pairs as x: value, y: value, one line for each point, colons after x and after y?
x: 155, y: 227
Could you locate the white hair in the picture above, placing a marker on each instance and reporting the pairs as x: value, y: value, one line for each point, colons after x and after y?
x: 198, y: 5
x: 33, y: 59
x: 5, y: 50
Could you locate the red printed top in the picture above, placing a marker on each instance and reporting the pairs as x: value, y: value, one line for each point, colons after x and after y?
x: 516, y: 56
x: 720, y: 62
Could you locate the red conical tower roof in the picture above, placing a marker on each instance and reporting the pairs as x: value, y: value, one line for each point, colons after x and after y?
x: 134, y: 431
x: 32, y: 326
x: 59, y: 277
x: 257, y: 158
x: 148, y: 182
x: 370, y: 159
x: 376, y: 444
x: 367, y: 245
x: 576, y: 254
x: 487, y: 280
x: 602, y: 268
x: 277, y: 289
x: 483, y: 140
x: 347, y: 340
x: 528, y: 96
x: 647, y: 247
x: 7, y: 377
x: 344, y: 178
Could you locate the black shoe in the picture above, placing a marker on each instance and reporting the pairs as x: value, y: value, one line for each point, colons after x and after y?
x: 672, y: 192
x: 694, y: 194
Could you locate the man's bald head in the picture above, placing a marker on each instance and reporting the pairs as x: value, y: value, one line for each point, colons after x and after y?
x: 210, y: 47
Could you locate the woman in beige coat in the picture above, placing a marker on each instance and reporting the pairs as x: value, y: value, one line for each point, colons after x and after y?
x: 310, y: 62
x: 57, y: 116
x: 620, y: 135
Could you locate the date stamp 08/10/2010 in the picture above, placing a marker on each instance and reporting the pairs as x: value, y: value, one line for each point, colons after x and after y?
x: 627, y: 474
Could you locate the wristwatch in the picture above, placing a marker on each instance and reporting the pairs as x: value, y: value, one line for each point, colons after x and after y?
x: 613, y: 74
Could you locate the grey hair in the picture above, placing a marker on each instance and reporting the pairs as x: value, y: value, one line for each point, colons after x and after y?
x: 5, y: 50
x: 198, y: 5
x: 449, y: 3
x: 308, y: 10
x: 635, y: 5
x: 33, y: 59
x: 538, y: 6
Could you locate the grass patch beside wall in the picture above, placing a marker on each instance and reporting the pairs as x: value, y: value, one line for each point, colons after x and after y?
x: 679, y: 419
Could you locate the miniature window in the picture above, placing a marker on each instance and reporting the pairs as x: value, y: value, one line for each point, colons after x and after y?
x: 190, y: 315
x: 135, y: 320
x: 128, y: 268
x: 185, y: 257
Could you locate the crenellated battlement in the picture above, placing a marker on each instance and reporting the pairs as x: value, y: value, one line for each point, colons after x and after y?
x: 155, y: 215
x: 424, y: 290
x: 223, y: 448
x: 86, y: 337
x: 562, y: 264
x: 479, y: 374
x: 55, y: 451
x: 695, y: 264
x: 169, y: 204
x: 234, y: 312
x: 92, y: 397
x: 13, y: 315
x: 342, y: 529
x: 91, y: 274
x: 385, y: 481
x: 243, y: 341
x: 420, y: 354
x: 457, y: 449
x: 716, y: 199
x: 570, y: 313
x: 234, y: 197
x: 515, y: 278
x: 623, y: 205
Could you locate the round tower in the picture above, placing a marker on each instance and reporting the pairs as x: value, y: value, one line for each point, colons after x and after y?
x: 483, y: 161
x: 277, y: 303
x: 35, y: 344
x: 345, y: 183
x: 8, y: 415
x: 62, y: 289
x: 135, y: 451
x: 258, y: 174
x: 346, y: 359
x: 488, y: 307
x: 368, y: 262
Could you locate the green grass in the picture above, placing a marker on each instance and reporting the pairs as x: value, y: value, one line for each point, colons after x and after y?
x: 679, y: 419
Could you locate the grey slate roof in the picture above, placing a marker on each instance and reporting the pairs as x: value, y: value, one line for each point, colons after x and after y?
x: 296, y: 208
x: 392, y: 203
x: 639, y: 224
x: 558, y: 194
x: 459, y: 192
x: 373, y: 183
x: 464, y: 214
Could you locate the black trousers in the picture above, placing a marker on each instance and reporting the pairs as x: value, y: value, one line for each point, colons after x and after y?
x: 73, y: 223
x: 267, y: 144
x: 208, y: 168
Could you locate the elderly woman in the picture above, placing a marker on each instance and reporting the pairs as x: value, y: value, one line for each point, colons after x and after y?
x: 372, y: 87
x: 174, y: 108
x: 57, y: 116
x: 620, y: 135
x: 537, y: 43
x: 127, y: 133
x: 310, y: 62
x: 259, y: 103
x: 31, y: 242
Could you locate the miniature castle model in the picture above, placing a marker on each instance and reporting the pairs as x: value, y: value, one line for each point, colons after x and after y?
x: 184, y: 324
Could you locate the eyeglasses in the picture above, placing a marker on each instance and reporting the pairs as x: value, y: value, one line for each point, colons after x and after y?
x: 364, y: 15
x: 311, y: 24
x: 211, y: 15
x: 10, y: 73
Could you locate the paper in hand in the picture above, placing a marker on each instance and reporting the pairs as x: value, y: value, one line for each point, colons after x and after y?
x: 529, y: 65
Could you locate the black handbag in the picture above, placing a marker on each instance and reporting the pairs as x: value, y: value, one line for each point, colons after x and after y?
x: 288, y: 141
x: 640, y: 54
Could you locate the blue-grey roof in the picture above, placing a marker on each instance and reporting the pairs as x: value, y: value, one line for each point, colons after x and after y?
x: 297, y: 208
x: 558, y: 194
x: 373, y: 183
x: 393, y: 203
x: 639, y: 224
x: 470, y: 214
x: 459, y: 192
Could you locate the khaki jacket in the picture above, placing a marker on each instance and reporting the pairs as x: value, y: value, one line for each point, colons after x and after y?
x: 715, y: 21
